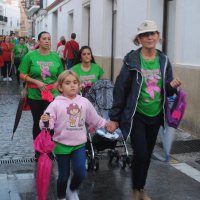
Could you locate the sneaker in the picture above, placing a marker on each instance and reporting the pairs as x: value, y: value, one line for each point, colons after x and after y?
x: 144, y: 195
x: 62, y: 199
x: 4, y: 79
x: 9, y: 79
x: 136, y: 194
x: 72, y: 195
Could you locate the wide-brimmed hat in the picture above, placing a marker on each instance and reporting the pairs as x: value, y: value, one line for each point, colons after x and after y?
x: 146, y: 26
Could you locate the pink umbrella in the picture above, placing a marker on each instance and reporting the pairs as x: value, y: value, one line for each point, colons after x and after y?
x: 44, y: 145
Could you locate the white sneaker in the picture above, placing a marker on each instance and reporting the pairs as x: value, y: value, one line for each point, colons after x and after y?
x: 4, y: 79
x: 62, y: 199
x: 9, y: 79
x: 72, y: 195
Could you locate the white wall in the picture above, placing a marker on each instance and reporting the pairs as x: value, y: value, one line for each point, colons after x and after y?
x: 12, y: 13
x: 187, y: 32
x: 183, y: 30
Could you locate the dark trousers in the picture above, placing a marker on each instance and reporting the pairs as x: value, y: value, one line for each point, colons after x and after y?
x: 37, y: 109
x: 78, y: 158
x: 143, y: 139
x: 17, y: 63
x: 6, y: 69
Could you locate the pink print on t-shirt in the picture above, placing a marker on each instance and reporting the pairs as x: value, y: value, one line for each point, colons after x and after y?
x: 44, y: 66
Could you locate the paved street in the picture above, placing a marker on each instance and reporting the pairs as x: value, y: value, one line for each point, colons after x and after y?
x: 166, y: 181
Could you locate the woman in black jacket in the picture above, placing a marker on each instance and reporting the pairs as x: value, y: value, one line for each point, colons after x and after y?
x: 140, y: 92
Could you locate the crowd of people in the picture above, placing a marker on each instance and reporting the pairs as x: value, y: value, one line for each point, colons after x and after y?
x: 12, y: 50
x: 55, y: 79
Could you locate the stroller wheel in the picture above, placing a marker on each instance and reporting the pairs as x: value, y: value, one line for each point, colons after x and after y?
x: 122, y: 162
x: 92, y: 165
x: 96, y: 164
x: 129, y: 161
x: 110, y: 156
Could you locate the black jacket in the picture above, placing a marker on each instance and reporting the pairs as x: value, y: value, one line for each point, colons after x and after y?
x: 128, y: 85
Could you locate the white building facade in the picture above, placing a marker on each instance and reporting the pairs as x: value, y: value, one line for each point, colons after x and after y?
x: 108, y: 26
x: 9, y: 17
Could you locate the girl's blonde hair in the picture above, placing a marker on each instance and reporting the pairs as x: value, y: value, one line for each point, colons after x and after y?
x: 62, y: 77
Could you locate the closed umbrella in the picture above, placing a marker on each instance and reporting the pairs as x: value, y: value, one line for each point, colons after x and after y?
x: 44, y: 145
x: 22, y: 106
x: 167, y: 137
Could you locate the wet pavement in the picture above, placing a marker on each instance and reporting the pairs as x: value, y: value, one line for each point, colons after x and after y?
x: 17, y: 169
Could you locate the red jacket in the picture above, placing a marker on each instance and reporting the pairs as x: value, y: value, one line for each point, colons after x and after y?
x: 7, y: 49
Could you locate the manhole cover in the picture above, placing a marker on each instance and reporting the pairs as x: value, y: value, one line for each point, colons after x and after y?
x: 188, y: 146
x: 16, y: 161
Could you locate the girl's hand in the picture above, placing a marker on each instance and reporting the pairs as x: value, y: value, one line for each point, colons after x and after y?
x: 111, y: 126
x: 45, y: 117
x: 175, y: 83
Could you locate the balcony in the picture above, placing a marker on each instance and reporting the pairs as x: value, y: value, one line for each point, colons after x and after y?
x: 31, y: 6
x: 3, y: 19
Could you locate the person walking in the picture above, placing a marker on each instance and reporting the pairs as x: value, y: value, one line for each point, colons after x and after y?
x: 62, y: 38
x: 86, y: 68
x: 71, y: 48
x: 139, y: 98
x: 60, y: 52
x: 40, y: 69
x: 68, y: 115
x: 18, y: 52
x: 7, y: 47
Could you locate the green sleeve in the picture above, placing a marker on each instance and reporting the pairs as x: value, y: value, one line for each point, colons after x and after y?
x: 24, y: 67
x: 101, y: 72
x: 60, y: 68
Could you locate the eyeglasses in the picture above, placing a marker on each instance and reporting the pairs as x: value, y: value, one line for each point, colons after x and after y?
x: 147, y: 34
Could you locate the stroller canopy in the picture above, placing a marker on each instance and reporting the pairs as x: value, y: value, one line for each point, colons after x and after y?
x: 101, y: 95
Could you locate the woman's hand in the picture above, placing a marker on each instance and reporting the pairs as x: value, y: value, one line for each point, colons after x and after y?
x: 111, y: 126
x: 175, y: 83
x: 45, y: 117
x: 41, y: 85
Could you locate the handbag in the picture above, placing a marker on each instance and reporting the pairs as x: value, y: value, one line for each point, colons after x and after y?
x: 175, y: 112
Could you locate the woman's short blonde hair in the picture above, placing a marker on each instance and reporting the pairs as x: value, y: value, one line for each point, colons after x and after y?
x: 62, y: 77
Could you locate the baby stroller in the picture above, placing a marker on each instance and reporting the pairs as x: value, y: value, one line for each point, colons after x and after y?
x: 101, y: 96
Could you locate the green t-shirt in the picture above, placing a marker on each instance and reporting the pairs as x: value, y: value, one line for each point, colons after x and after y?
x: 45, y: 68
x: 94, y: 74
x: 20, y: 50
x: 150, y: 100
x: 64, y: 149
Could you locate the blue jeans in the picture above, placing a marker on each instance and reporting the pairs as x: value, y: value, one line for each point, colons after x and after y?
x: 78, y: 159
x: 70, y: 63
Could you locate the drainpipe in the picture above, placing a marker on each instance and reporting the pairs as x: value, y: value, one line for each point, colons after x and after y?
x: 165, y: 22
x: 112, y: 43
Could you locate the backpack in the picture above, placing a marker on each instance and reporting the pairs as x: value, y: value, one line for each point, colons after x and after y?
x: 175, y: 112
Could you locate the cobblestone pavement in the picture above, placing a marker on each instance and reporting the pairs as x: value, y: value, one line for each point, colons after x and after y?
x: 19, y: 147
x: 17, y: 171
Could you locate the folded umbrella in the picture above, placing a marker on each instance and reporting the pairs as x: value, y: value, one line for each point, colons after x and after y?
x: 22, y: 106
x: 44, y: 145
